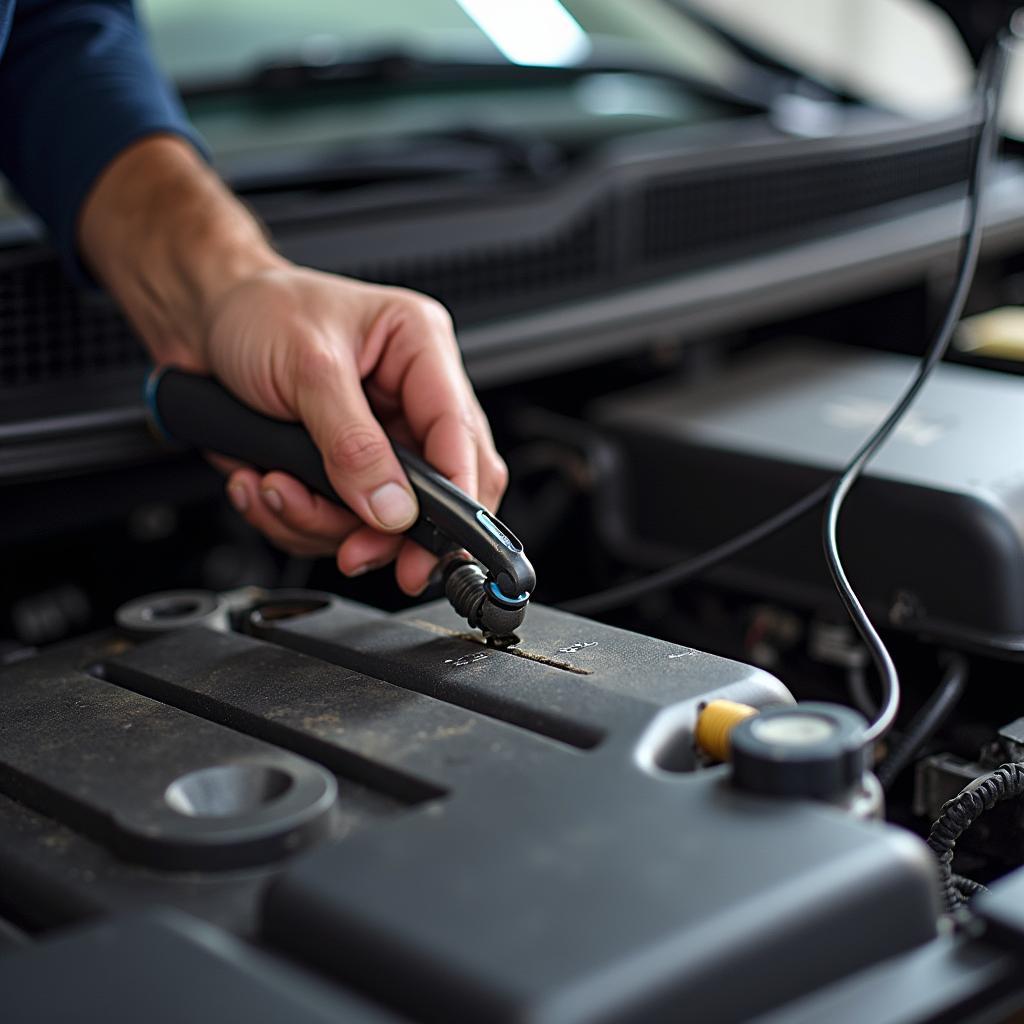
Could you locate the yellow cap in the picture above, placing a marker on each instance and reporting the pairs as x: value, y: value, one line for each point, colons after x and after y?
x: 716, y: 722
x: 998, y: 334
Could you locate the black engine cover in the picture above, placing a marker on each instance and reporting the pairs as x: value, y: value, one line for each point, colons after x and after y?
x: 490, y: 835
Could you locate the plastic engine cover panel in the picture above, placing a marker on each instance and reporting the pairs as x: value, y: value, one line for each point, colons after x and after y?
x: 459, y: 833
x: 933, y: 535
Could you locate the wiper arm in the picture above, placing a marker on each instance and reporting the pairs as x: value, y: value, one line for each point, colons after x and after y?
x: 399, y: 67
x: 475, y: 154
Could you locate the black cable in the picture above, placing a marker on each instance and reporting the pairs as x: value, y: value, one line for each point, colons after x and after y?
x: 857, y: 691
x: 927, y: 721
x: 625, y: 593
x: 990, y: 82
x: 958, y: 815
x: 967, y: 888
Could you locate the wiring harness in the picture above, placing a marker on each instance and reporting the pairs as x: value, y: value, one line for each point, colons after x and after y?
x: 958, y: 815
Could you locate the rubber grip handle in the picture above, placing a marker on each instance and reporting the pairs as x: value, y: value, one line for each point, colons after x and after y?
x: 197, y: 411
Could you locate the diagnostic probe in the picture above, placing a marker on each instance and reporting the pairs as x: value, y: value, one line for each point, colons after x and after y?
x: 491, y: 593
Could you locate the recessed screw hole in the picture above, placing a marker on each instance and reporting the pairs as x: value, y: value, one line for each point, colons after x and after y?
x: 227, y: 790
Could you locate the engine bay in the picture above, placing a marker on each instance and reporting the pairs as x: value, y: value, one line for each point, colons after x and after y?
x: 284, y: 789
x: 727, y: 755
x: 384, y: 798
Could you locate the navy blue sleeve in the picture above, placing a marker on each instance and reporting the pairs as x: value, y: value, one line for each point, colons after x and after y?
x: 77, y: 85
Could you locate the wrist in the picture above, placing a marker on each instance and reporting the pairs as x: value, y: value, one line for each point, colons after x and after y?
x: 168, y: 240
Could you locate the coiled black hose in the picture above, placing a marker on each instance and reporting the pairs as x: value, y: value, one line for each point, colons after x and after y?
x: 957, y: 815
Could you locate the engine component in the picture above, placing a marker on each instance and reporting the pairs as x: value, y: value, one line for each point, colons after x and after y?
x: 958, y: 814
x: 772, y: 428
x: 171, y: 968
x: 512, y: 831
x: 715, y: 726
x: 970, y: 975
x: 810, y: 750
x: 172, y: 609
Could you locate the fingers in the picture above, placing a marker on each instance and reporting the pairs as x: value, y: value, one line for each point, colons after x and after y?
x: 358, y: 456
x: 492, y: 472
x: 366, y: 549
x: 420, y: 364
x: 450, y: 447
x: 341, y: 335
x: 295, y: 520
x: 458, y: 442
x: 413, y: 568
x: 222, y: 463
x: 304, y: 511
x: 308, y: 525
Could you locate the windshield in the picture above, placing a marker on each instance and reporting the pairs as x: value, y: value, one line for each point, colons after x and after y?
x: 839, y: 42
x: 197, y: 40
x: 902, y: 54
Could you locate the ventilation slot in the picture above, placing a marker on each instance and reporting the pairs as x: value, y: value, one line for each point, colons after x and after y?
x: 685, y: 216
x: 499, y: 278
x: 50, y: 331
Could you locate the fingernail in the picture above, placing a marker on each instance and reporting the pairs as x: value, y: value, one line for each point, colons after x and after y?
x: 393, y: 506
x: 364, y: 569
x: 239, y: 497
x: 273, y: 499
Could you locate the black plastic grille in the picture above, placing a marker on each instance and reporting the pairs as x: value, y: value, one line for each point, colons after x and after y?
x: 497, y: 278
x: 683, y: 216
x: 51, y: 331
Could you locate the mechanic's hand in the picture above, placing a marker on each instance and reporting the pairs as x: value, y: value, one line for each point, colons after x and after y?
x: 355, y: 363
x: 194, y: 273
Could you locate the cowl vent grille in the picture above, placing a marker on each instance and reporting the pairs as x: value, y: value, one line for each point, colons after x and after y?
x: 51, y: 331
x: 628, y: 232
x: 683, y: 217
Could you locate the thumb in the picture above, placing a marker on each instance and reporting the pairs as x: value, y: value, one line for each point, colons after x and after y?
x: 358, y: 457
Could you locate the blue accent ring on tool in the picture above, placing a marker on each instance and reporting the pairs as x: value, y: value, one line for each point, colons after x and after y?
x: 152, y: 412
x: 512, y: 602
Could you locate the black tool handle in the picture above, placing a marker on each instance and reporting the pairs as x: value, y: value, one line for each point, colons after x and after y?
x: 197, y: 411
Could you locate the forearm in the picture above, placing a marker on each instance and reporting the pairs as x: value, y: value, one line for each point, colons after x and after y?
x: 167, y: 239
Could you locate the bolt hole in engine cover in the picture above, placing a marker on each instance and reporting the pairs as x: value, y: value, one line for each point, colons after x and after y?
x: 171, y: 609
x: 227, y: 790
x: 459, y: 832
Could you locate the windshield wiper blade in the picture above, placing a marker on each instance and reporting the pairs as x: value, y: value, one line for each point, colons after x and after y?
x: 472, y: 154
x: 399, y: 67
